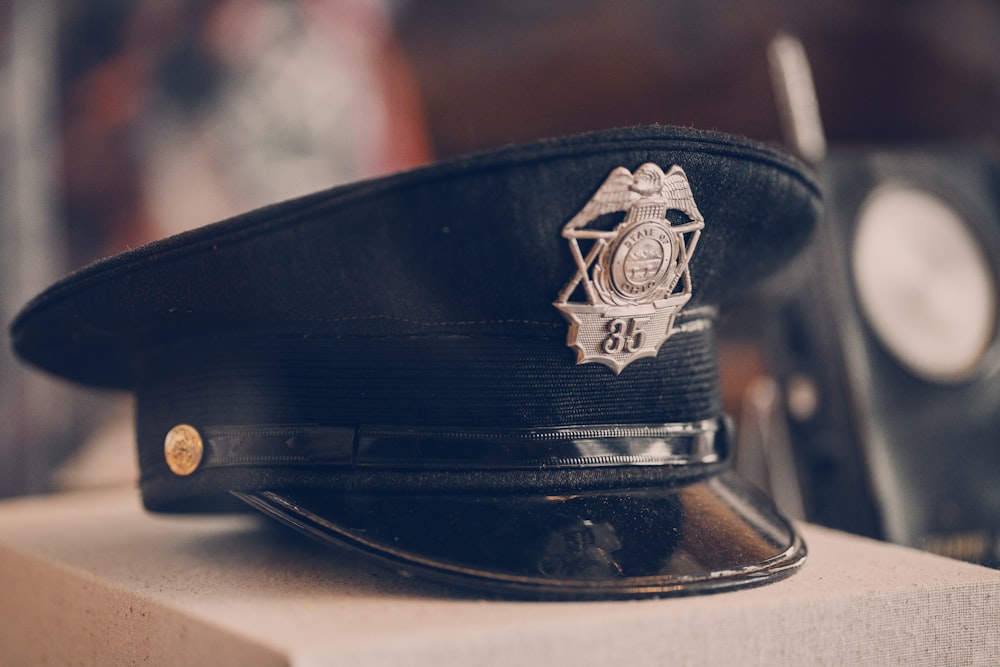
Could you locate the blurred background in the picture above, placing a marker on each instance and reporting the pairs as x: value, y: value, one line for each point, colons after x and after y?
x: 129, y: 120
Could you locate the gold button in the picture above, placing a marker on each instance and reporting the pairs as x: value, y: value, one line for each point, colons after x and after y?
x: 183, y: 449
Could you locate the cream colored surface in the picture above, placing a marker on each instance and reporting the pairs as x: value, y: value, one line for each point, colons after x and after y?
x: 90, y: 579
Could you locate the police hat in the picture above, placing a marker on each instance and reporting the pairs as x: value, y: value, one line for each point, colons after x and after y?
x: 499, y: 370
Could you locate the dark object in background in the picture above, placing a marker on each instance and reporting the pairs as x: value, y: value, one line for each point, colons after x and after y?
x: 886, y: 346
x: 387, y: 366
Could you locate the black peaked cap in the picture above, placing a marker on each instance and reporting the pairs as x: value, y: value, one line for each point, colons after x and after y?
x: 368, y: 361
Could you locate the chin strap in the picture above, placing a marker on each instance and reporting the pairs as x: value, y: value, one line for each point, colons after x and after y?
x: 403, y: 448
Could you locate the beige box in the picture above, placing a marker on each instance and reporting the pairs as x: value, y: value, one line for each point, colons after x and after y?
x: 91, y: 579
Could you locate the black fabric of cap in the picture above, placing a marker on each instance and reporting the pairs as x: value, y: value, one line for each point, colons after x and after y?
x: 418, y: 301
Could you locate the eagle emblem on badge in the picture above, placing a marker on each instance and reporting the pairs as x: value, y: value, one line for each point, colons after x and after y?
x: 635, y: 277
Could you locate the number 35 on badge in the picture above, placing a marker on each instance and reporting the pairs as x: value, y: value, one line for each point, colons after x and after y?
x: 635, y: 278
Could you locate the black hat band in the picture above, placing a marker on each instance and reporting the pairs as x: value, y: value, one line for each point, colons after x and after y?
x: 461, y: 448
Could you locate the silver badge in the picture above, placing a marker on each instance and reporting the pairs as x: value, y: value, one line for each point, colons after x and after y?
x: 640, y: 277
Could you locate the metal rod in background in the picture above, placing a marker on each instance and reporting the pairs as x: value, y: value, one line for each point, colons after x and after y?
x: 795, y: 93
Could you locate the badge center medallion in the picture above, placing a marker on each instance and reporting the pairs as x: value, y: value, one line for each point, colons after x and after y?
x: 634, y: 278
x: 641, y: 261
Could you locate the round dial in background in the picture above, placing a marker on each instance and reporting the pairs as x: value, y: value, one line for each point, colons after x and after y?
x: 924, y: 283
